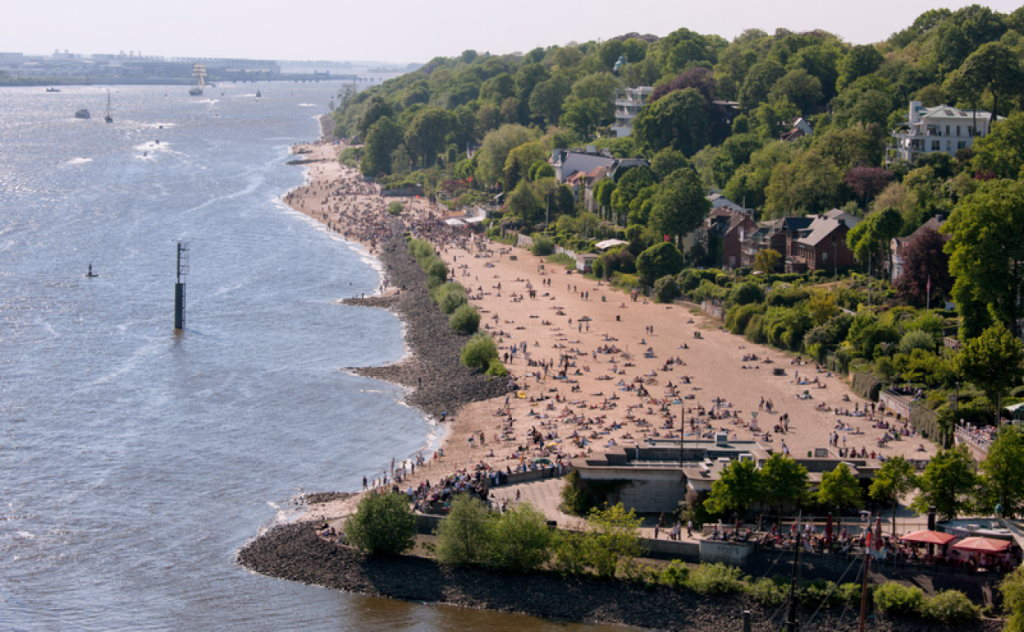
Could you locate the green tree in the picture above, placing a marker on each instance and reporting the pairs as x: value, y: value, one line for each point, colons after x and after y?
x: 987, y: 253
x: 771, y: 117
x: 840, y: 488
x: 383, y: 524
x: 678, y: 120
x: 498, y: 88
x: 547, y: 98
x: 1002, y: 151
x: 992, y: 361
x: 801, y: 89
x: 995, y: 68
x: 822, y: 307
x: 1003, y: 470
x: 765, y: 261
x: 948, y: 482
x: 859, y: 61
x: 426, y: 134
x: 1012, y: 589
x: 583, y: 115
x: 495, y: 149
x: 462, y: 535
x: 811, y: 183
x: 478, y: 352
x: 680, y: 206
x: 894, y: 480
x: 758, y: 83
x: 519, y: 539
x: 375, y: 109
x: 736, y: 490
x: 382, y: 140
x: 784, y: 481
x: 612, y: 539
x: 659, y: 260
x: 666, y: 161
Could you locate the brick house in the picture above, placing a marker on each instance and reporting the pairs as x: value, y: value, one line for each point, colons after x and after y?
x: 727, y: 230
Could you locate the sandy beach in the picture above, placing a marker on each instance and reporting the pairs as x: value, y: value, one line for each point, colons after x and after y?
x: 630, y: 367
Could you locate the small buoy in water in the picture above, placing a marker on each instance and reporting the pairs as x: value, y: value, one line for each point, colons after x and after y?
x: 90, y: 274
x: 157, y: 142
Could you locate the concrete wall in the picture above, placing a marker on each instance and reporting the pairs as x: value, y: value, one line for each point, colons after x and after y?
x: 733, y: 553
x: 684, y: 550
x: 652, y: 495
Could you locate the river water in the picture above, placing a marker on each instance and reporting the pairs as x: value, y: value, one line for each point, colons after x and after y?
x: 135, y: 461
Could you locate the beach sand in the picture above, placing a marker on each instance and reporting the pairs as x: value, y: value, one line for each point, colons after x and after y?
x: 582, y: 317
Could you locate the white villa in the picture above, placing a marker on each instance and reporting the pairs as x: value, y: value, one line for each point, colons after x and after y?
x: 628, y: 107
x: 941, y: 128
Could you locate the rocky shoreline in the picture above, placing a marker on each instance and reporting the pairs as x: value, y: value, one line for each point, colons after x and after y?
x: 295, y: 552
x: 440, y: 382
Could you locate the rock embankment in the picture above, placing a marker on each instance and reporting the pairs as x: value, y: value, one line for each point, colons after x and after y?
x: 294, y: 552
x: 434, y: 370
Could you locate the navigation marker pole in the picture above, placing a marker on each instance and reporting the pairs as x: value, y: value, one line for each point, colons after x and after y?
x: 179, y: 287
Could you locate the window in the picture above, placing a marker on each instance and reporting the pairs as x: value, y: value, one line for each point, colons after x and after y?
x: 957, y: 130
x: 824, y: 256
x: 947, y: 130
x: 961, y: 144
x: 936, y: 145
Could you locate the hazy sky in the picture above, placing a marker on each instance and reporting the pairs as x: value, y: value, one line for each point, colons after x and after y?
x: 405, y: 31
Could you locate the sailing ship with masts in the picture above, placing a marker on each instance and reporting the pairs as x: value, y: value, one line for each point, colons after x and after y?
x: 199, y: 74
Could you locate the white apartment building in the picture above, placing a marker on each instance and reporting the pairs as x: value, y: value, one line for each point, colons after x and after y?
x: 627, y: 107
x: 941, y: 128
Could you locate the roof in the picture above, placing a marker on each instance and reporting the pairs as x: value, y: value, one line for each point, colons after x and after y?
x: 948, y: 111
x: 818, y: 231
x: 848, y: 219
x: 723, y: 221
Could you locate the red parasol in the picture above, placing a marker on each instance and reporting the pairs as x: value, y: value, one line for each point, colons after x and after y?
x: 929, y: 537
x: 982, y: 545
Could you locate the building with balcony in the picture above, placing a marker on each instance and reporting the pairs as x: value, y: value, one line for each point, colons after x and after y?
x: 627, y: 107
x: 942, y: 128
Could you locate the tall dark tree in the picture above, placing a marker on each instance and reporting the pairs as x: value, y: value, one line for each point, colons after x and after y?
x: 925, y: 263
x: 993, y: 67
x: 374, y: 110
x: 678, y: 120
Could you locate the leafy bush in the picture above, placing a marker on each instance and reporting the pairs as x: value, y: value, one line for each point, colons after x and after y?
x: 542, y: 245
x: 916, y: 339
x: 562, y: 259
x: 818, y: 593
x: 462, y: 535
x: 849, y: 594
x: 395, y: 208
x: 479, y: 351
x: 519, y: 539
x: 675, y: 574
x: 466, y: 319
x: 950, y: 607
x: 708, y: 291
x: 449, y: 297
x: 899, y: 599
x: 437, y: 273
x: 787, y: 297
x: 496, y: 368
x: 746, y: 293
x: 738, y: 317
x: 755, y: 329
x: 666, y: 289
x: 767, y: 593
x: 382, y: 524
x: 716, y: 579
x: 612, y: 539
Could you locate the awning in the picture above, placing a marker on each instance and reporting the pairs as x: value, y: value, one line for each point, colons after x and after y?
x: 982, y: 545
x: 455, y: 221
x: 929, y: 537
x: 610, y: 243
